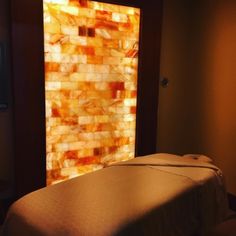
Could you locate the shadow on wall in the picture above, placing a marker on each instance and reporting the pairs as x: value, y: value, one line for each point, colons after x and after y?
x: 197, y: 112
x: 216, y: 67
x: 6, y: 139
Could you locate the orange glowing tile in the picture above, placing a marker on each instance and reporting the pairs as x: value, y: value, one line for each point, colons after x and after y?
x: 111, y: 60
x: 69, y: 48
x: 103, y: 15
x: 83, y: 3
x: 127, y: 10
x: 111, y: 7
x: 133, y: 110
x: 72, y: 10
x: 95, y: 42
x: 68, y: 67
x: 116, y: 85
x: 77, y: 40
x: 106, y: 25
x: 52, y: 66
x: 119, y: 17
x: 88, y: 160
x: 126, y: 27
x: 86, y: 50
x: 111, y: 43
x: 52, y: 28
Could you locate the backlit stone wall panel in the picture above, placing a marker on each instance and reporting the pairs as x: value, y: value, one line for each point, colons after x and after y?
x: 91, y: 61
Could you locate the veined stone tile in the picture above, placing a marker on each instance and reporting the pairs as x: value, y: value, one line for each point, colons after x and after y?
x: 65, y: 58
x: 93, y: 77
x: 130, y: 102
x: 118, y: 69
x: 103, y: 33
x: 85, y: 152
x: 53, y: 139
x: 111, y: 43
x: 69, y: 85
x: 103, y: 15
x: 52, y: 28
x: 78, y: 59
x: 56, y: 57
x: 119, y: 17
x: 47, y: 57
x: 60, y: 147
x: 90, y: 22
x: 94, y: 60
x: 52, y: 85
x: 127, y: 10
x: 109, y: 25
x: 89, y: 13
x: 72, y: 10
x: 85, y: 120
x: 130, y: 70
x: 58, y: 39
x: 78, y: 76
x: 111, y: 60
x: 93, y: 144
x: 102, y: 51
x: 130, y: 86
x: 76, y: 145
x: 78, y: 40
x: 68, y: 67
x: 117, y: 53
x: 86, y: 136
x: 69, y: 163
x: 101, y: 119
x: 111, y: 7
x: 104, y: 69
x: 69, y: 138
x: 129, y: 117
x: 86, y: 68
x: 68, y: 48
x: 69, y: 30
x: 55, y: 48
x: 84, y: 86
x: 53, y: 121
x: 61, y: 129
x: 113, y: 77
x: 133, y: 110
x: 77, y: 94
x: 134, y: 19
x: 101, y: 86
x: 126, y: 27
x: 95, y: 42
x: 62, y: 2
x: 86, y: 50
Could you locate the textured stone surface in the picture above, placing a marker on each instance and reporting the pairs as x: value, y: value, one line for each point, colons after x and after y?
x: 91, y: 61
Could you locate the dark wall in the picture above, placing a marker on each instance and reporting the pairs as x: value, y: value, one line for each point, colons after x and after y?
x: 6, y: 139
x: 197, y: 111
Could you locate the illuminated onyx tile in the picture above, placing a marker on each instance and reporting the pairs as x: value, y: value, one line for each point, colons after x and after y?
x: 91, y: 63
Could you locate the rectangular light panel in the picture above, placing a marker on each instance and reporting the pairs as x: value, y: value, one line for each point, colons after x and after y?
x: 91, y: 66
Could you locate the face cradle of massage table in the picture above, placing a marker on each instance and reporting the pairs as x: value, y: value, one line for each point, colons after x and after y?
x: 160, y: 194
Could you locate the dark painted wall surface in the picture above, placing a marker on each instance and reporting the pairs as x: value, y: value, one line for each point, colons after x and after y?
x: 197, y: 112
x: 6, y: 138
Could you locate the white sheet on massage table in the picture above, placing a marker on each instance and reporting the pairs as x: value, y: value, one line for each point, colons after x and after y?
x: 138, y: 197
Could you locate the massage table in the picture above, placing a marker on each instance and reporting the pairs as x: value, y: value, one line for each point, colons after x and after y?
x: 159, y: 194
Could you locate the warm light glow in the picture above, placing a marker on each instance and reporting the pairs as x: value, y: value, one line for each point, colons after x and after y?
x: 91, y: 60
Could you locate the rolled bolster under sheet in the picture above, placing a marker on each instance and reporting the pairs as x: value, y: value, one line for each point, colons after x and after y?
x: 160, y: 194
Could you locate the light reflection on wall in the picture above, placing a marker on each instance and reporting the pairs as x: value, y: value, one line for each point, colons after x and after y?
x: 91, y: 59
